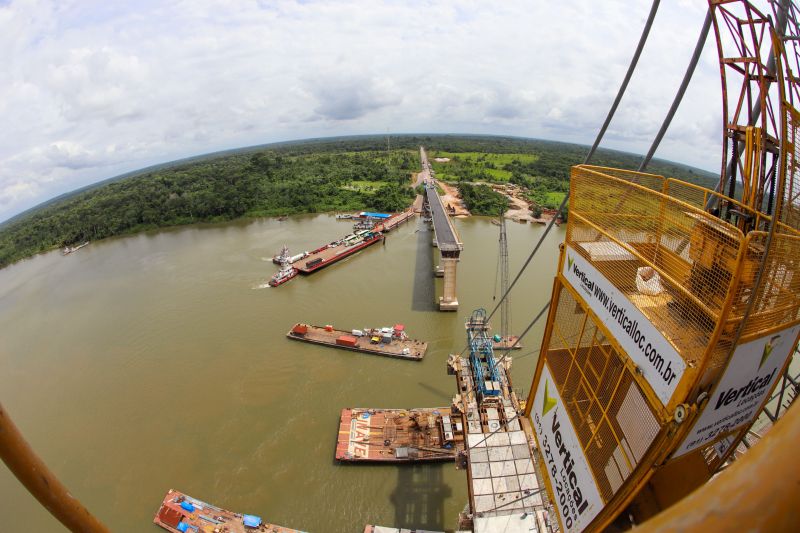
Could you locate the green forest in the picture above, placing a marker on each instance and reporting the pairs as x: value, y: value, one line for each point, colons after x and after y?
x: 480, y: 199
x: 317, y: 175
x: 266, y: 183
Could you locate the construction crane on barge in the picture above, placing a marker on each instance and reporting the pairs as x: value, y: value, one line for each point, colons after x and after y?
x: 504, y: 341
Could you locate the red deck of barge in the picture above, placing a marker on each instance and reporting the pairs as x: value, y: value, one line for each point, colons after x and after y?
x: 399, y: 435
x: 401, y: 348
x: 507, y: 344
x: 395, y: 220
x: 206, y: 518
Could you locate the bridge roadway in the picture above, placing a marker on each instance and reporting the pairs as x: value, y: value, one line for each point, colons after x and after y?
x: 446, y: 235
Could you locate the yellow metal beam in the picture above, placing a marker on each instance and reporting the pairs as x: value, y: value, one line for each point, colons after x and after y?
x: 759, y: 492
x: 41, y: 482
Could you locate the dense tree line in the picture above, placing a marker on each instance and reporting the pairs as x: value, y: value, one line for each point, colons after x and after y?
x: 482, y: 200
x: 554, y: 158
x: 294, y: 177
x: 265, y: 183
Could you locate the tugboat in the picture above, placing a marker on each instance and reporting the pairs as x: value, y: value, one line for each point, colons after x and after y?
x: 282, y: 256
x: 283, y: 275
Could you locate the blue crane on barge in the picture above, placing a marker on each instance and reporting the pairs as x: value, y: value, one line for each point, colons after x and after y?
x: 481, y: 355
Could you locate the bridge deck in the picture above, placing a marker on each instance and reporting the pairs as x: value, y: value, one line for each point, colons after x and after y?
x: 446, y: 235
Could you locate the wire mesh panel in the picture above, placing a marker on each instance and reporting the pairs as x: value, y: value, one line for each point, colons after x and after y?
x: 612, y: 419
x: 622, y: 227
x: 777, y: 297
x: 729, y: 209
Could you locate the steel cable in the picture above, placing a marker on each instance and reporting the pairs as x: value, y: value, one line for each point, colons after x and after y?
x: 631, y: 68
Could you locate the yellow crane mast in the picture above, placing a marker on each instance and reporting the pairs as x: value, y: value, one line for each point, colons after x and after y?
x: 675, y: 308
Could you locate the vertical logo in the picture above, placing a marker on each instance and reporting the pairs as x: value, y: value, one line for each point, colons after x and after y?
x: 768, y: 347
x: 549, y: 402
x: 570, y: 260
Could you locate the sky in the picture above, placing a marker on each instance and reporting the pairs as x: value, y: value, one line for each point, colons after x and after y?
x: 92, y: 89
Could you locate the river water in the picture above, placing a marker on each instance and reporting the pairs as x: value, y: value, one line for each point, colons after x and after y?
x: 159, y: 361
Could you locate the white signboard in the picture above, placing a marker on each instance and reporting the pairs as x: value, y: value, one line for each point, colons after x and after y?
x: 647, y: 347
x: 576, y: 496
x: 749, y: 377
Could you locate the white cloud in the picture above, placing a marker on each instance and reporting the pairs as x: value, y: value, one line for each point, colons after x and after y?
x: 97, y: 88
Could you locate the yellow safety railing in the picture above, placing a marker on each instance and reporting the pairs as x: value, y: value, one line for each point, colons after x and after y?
x: 605, y: 403
x: 623, y: 221
x: 707, y: 279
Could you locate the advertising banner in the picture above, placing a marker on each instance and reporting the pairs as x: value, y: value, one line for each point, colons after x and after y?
x: 658, y: 360
x: 749, y: 377
x: 574, y: 490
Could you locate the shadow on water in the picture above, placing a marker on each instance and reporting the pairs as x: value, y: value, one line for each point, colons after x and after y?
x: 444, y: 394
x: 419, y: 497
x: 424, y: 294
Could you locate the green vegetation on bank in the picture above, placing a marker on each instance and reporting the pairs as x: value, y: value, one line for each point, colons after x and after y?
x: 316, y: 175
x: 265, y: 183
x: 545, y: 174
x: 477, y: 166
x: 482, y: 200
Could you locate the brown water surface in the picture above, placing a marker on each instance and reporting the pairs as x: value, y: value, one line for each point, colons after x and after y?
x: 157, y: 361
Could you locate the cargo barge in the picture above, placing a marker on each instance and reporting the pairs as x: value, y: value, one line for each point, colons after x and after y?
x: 337, y: 250
x: 391, y: 342
x: 180, y: 513
x: 399, y: 435
x: 395, y: 220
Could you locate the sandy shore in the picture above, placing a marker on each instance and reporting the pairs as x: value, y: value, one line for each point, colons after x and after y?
x: 452, y: 199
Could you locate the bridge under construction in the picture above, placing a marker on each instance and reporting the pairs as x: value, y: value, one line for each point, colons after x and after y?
x: 445, y: 237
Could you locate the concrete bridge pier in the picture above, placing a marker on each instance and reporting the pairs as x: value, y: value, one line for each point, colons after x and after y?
x: 449, y: 301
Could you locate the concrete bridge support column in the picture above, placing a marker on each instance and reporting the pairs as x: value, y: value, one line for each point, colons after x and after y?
x: 449, y: 301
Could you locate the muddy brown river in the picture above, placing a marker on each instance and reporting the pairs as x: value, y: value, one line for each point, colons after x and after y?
x: 159, y: 361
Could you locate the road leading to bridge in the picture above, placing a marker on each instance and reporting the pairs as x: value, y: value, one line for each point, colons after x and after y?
x: 446, y: 234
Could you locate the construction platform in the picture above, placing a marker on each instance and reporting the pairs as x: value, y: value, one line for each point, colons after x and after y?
x: 373, y: 341
x: 399, y: 435
x: 180, y: 513
x: 503, y: 484
x: 381, y: 529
